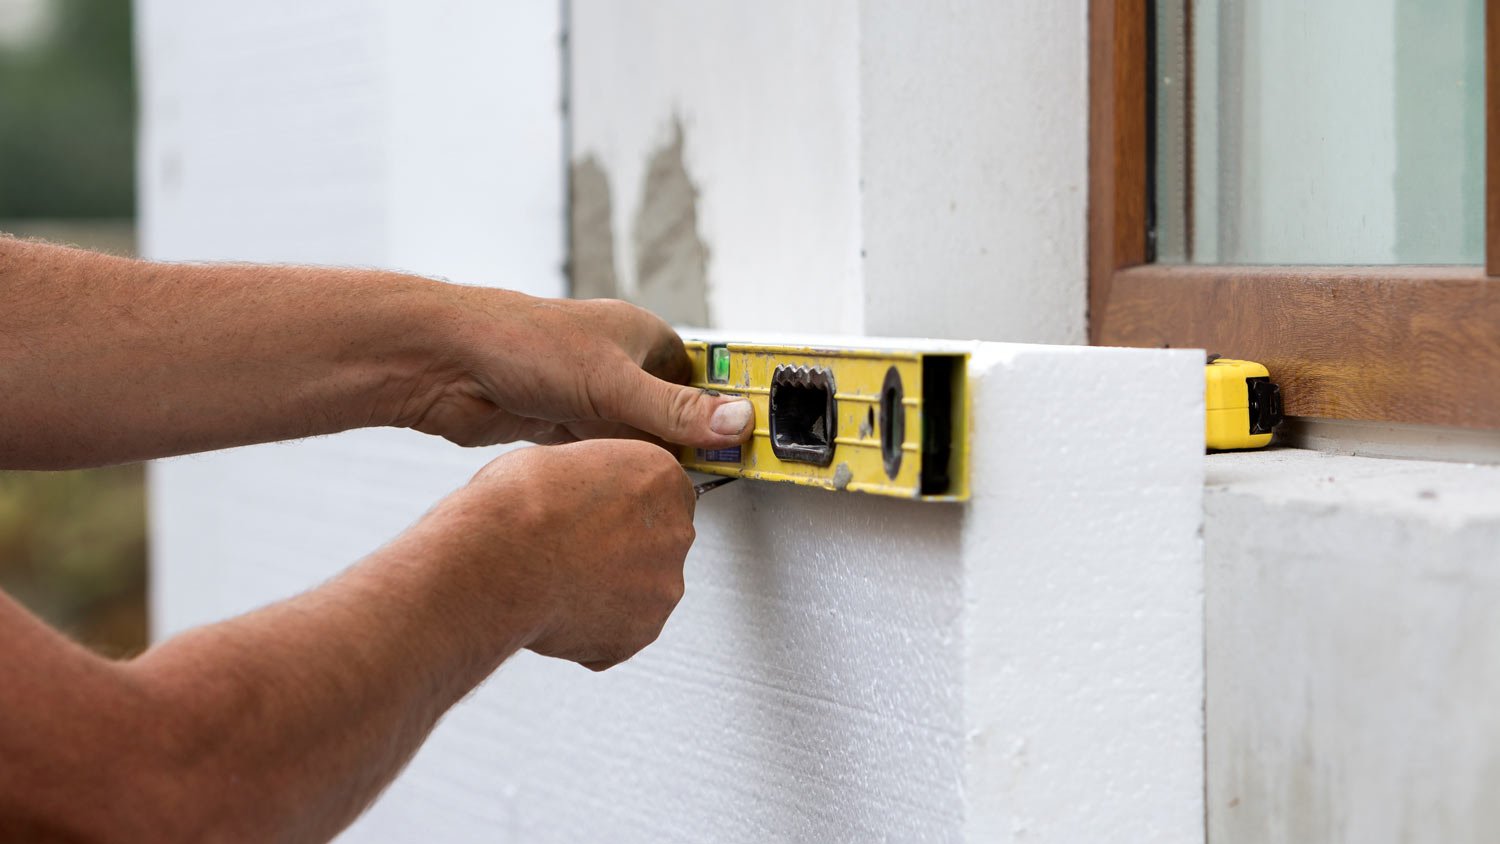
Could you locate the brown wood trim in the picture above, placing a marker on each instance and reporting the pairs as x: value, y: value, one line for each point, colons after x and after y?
x: 1400, y: 344
x: 1117, y: 148
x: 1397, y: 344
x: 1492, y: 136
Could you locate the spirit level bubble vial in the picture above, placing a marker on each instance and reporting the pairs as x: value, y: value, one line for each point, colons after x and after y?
x: 885, y: 422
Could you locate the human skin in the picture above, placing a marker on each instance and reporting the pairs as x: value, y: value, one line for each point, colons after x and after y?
x: 283, y: 724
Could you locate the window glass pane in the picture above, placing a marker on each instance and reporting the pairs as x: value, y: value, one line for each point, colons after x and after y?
x: 1327, y: 132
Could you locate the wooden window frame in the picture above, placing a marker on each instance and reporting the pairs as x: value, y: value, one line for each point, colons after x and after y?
x: 1410, y: 344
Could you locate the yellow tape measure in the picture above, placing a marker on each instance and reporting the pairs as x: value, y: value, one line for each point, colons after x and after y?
x: 1243, y: 405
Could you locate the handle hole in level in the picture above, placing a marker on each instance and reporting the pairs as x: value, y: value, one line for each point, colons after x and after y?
x: 892, y: 422
x: 804, y: 414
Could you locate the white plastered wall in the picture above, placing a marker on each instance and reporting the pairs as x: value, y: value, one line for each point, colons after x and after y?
x: 863, y: 167
x: 1024, y: 667
x: 766, y: 97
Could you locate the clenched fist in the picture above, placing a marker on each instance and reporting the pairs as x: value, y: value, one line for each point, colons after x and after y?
x: 586, y: 539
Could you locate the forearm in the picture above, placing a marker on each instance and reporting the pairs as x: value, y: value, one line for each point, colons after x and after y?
x: 106, y: 360
x: 315, y: 704
x: 279, y: 725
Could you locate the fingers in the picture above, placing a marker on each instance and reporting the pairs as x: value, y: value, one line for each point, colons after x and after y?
x: 667, y: 359
x: 599, y: 429
x: 674, y: 413
x: 552, y: 435
x: 607, y: 527
x: 646, y: 338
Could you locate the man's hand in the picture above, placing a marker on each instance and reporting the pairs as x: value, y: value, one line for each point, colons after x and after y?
x: 107, y: 360
x: 589, y: 539
x: 559, y: 370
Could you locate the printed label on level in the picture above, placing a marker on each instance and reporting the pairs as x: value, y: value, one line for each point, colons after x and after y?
x: 720, y: 455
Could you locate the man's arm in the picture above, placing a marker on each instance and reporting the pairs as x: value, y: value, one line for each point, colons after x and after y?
x: 109, y: 360
x: 282, y: 725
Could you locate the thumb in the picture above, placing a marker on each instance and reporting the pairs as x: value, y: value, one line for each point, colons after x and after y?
x: 678, y: 414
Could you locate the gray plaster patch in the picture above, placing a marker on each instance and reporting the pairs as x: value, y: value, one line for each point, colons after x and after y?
x: 842, y: 476
x: 591, y: 240
x: 671, y: 257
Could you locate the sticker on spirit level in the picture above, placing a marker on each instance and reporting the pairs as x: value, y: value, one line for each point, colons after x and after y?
x: 720, y: 455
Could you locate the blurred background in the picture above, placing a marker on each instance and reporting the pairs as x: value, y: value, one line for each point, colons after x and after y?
x: 72, y: 544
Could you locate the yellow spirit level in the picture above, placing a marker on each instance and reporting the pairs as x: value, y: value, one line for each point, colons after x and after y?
x: 1243, y: 405
x: 886, y: 422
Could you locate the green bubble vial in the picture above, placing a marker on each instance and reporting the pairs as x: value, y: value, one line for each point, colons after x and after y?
x: 719, y: 366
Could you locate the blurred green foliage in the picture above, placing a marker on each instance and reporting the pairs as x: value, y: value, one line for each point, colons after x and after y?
x: 67, y: 117
x: 73, y: 550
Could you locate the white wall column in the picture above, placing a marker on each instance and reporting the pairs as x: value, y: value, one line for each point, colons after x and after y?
x: 974, y: 168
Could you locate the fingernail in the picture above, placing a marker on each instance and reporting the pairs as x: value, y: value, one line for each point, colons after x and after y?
x: 731, y: 417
